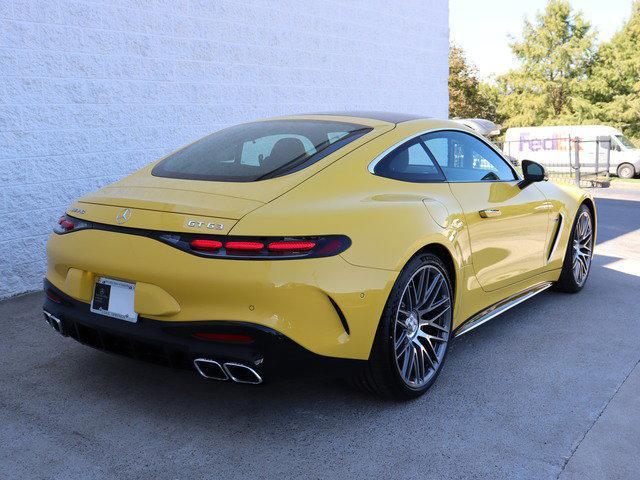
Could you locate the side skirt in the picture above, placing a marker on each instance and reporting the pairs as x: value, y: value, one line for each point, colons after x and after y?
x: 496, y: 309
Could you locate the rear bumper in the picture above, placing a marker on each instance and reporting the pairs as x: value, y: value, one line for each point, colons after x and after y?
x: 325, y: 305
x: 271, y: 354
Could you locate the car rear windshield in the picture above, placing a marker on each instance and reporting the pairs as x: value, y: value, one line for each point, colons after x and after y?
x: 257, y: 151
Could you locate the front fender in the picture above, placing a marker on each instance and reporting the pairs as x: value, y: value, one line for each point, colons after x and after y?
x: 565, y: 201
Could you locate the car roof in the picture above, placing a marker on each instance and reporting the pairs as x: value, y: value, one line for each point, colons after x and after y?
x: 375, y: 119
x: 390, y: 117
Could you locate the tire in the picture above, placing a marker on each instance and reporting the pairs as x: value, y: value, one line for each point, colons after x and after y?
x: 626, y: 170
x: 570, y: 281
x: 425, y: 319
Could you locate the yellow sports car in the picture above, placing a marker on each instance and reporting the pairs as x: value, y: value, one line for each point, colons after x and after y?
x: 355, y: 243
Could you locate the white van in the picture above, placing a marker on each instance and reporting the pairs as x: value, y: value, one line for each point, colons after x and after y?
x: 554, y: 147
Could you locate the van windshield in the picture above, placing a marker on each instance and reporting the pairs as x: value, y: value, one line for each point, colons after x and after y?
x: 257, y: 151
x: 625, y: 141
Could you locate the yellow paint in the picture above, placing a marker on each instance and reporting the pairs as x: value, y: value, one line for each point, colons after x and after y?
x: 79, y: 284
x: 152, y: 301
x: 388, y: 221
x: 509, y: 246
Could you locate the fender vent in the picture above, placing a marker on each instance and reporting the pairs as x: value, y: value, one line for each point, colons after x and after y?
x: 556, y: 236
x: 341, y: 316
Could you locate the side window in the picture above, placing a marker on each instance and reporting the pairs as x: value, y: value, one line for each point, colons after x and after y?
x: 254, y: 151
x: 411, y: 163
x: 464, y: 158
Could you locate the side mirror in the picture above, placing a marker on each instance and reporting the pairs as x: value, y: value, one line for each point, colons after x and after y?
x: 532, y: 172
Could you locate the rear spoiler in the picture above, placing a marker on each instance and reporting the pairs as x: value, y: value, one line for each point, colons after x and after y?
x: 480, y: 125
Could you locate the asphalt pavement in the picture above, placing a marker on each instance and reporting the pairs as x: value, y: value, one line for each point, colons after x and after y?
x: 550, y: 389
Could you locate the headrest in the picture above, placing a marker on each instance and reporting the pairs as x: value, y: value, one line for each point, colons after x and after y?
x: 287, y: 149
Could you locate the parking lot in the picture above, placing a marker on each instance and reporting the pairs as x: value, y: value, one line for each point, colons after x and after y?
x: 551, y: 389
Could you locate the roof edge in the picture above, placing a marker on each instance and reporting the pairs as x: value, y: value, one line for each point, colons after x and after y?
x: 391, y: 117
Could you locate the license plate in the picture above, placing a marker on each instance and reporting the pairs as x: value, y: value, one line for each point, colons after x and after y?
x: 114, y: 298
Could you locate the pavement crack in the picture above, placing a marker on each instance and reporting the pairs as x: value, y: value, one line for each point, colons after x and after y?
x: 575, y: 448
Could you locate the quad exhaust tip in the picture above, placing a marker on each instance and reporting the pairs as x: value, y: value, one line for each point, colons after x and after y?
x: 237, y: 372
x: 54, y: 322
x: 210, y: 369
x: 242, y: 373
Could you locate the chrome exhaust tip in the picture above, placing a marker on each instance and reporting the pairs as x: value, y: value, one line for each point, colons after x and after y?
x: 210, y: 369
x: 240, y: 373
x: 54, y: 322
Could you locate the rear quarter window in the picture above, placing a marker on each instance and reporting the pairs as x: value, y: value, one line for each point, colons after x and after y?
x: 410, y: 162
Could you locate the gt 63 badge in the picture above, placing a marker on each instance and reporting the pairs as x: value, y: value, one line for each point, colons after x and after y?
x: 209, y: 225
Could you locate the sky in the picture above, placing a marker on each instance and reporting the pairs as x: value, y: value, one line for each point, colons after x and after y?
x: 482, y: 29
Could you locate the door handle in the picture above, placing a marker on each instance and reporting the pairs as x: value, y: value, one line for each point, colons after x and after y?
x: 490, y: 213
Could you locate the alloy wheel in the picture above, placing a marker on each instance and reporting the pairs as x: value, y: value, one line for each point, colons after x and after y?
x: 422, y: 326
x: 582, y: 248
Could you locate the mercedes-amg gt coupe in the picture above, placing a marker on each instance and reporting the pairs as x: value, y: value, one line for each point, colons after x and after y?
x: 359, y: 244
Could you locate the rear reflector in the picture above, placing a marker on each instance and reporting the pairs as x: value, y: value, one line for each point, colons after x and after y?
x: 224, y: 337
x: 244, y: 246
x: 52, y: 296
x: 203, y: 245
x: 292, y: 246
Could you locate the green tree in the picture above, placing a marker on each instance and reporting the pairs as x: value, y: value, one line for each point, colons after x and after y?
x: 468, y: 96
x: 555, y: 55
x: 611, y: 94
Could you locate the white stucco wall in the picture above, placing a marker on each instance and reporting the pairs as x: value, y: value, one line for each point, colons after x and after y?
x: 92, y: 90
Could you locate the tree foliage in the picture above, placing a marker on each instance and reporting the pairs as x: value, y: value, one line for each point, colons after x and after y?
x: 555, y: 54
x: 468, y: 96
x: 611, y: 94
x: 563, y: 77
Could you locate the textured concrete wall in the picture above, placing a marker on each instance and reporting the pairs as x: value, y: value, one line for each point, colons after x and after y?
x: 92, y: 90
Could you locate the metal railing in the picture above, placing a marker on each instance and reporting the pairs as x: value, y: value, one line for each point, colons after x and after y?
x: 585, y: 163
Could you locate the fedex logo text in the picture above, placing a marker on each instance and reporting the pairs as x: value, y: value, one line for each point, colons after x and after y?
x: 556, y: 142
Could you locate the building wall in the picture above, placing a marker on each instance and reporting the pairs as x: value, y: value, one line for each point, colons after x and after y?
x: 92, y: 90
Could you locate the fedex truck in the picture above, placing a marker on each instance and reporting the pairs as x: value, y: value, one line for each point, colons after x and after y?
x: 555, y: 148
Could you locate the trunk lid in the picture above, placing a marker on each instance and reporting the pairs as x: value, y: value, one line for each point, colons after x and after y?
x: 171, y: 205
x: 195, y: 206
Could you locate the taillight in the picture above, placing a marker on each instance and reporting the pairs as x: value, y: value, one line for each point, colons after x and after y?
x: 260, y: 247
x: 244, y: 246
x: 67, y: 224
x: 333, y: 246
x: 292, y: 246
x: 204, y: 245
